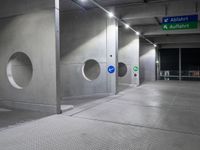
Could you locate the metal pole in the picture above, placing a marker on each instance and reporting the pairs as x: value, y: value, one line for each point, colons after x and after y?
x: 180, y: 65
x: 158, y: 64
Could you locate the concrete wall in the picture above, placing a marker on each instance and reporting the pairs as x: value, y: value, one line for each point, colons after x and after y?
x: 32, y: 33
x: 129, y: 55
x: 147, y: 63
x: 84, y: 36
x: 12, y: 7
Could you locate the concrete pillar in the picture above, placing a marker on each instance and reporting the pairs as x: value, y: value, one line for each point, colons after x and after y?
x: 30, y: 34
x: 57, y: 51
x: 129, y: 55
x: 136, y: 62
x: 112, y: 50
x: 147, y: 62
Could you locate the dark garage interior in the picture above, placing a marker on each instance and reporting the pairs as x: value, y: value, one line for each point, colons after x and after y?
x: 180, y: 64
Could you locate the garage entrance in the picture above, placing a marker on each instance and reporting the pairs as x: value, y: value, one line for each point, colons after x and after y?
x: 179, y: 64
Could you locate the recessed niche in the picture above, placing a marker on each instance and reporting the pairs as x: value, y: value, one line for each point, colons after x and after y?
x: 91, y: 70
x: 122, y: 69
x: 19, y: 70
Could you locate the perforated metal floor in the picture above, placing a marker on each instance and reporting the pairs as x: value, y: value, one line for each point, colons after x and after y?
x: 68, y: 133
x: 9, y: 117
x: 156, y: 116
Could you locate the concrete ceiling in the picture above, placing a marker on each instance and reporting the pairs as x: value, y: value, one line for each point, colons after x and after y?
x: 143, y: 15
x: 146, y: 16
x: 76, y: 4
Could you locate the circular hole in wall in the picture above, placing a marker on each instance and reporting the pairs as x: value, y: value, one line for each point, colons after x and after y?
x: 19, y: 70
x: 91, y: 70
x: 122, y: 69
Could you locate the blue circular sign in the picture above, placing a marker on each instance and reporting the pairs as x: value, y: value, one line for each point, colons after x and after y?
x: 111, y: 69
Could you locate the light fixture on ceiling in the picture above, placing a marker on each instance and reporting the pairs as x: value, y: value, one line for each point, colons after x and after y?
x: 137, y: 33
x: 110, y: 14
x: 83, y: 0
x: 127, y: 26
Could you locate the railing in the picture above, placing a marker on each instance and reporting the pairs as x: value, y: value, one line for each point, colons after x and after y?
x: 193, y: 75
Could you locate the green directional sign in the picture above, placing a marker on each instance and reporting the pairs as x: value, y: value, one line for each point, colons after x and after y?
x: 136, y: 68
x: 180, y: 22
x: 180, y: 26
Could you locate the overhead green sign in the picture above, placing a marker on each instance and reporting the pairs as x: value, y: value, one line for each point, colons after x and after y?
x: 180, y: 22
x: 180, y: 26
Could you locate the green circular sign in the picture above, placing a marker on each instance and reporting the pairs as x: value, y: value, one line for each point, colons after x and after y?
x: 136, y: 68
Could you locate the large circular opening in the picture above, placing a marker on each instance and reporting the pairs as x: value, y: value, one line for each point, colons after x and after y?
x: 91, y: 70
x: 19, y: 70
x: 122, y: 69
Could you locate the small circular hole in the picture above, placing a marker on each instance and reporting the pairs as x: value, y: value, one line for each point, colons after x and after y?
x: 122, y: 69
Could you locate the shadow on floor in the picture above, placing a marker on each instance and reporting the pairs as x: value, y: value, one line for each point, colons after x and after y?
x: 10, y: 117
x: 122, y: 87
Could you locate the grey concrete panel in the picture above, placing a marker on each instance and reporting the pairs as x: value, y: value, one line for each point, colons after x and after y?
x: 74, y: 84
x: 84, y: 37
x: 129, y: 55
x: 33, y: 34
x: 147, y: 63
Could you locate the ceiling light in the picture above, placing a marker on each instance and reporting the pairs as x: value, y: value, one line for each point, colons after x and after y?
x: 137, y: 33
x: 127, y: 26
x: 110, y: 14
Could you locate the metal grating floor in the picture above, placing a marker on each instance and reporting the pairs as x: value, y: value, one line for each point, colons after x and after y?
x: 155, y: 116
x: 68, y: 133
x: 10, y: 118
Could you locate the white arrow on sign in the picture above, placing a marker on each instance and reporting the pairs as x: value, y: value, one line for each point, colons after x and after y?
x: 111, y: 69
x: 165, y: 27
x: 166, y: 20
